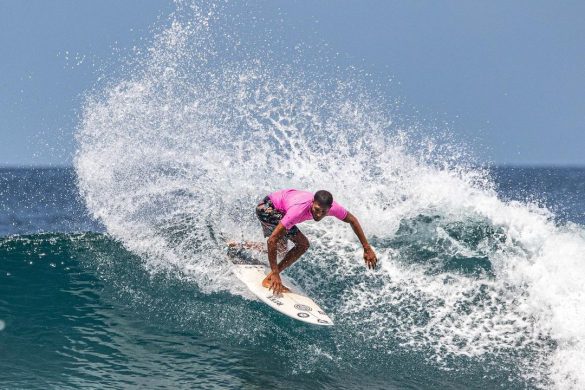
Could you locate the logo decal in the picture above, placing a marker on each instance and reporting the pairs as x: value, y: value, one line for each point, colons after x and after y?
x: 302, y: 315
x: 275, y: 300
x: 300, y: 307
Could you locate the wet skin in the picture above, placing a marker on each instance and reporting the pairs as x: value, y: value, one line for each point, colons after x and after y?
x: 318, y: 211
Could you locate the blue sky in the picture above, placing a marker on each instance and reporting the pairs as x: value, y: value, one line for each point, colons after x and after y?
x: 509, y: 77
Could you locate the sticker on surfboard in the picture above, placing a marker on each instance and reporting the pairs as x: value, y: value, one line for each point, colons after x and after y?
x: 293, y: 303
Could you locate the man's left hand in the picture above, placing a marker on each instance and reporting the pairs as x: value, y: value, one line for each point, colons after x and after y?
x: 370, y: 257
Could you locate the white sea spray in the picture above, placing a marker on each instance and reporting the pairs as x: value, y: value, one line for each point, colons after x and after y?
x: 173, y: 157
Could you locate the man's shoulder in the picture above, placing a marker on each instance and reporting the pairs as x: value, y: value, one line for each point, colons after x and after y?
x: 297, y: 191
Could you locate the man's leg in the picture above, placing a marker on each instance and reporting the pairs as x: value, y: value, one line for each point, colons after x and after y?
x: 281, y: 246
x: 258, y: 246
x: 301, y: 245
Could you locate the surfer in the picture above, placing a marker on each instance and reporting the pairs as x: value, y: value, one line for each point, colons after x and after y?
x: 281, y: 211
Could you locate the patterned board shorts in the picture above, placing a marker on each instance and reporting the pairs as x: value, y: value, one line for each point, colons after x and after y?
x: 270, y: 217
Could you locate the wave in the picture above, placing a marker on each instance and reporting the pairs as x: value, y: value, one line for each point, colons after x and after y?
x: 173, y: 156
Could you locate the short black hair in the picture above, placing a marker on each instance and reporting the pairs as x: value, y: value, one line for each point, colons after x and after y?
x: 324, y: 198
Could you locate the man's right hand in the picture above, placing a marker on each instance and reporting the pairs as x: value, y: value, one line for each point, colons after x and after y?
x: 276, y: 284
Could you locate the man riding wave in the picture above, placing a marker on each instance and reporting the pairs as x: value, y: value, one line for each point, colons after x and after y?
x: 281, y: 211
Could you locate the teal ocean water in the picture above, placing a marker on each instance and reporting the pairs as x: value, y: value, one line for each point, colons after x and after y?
x: 80, y: 310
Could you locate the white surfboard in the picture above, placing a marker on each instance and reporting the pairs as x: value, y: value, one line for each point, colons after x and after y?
x: 293, y: 304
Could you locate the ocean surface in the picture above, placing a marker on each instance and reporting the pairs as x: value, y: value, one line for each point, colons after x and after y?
x: 80, y: 310
x: 114, y: 272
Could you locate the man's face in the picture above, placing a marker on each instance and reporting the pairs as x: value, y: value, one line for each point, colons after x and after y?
x: 319, y: 211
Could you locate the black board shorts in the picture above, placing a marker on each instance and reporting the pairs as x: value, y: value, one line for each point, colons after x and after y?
x: 270, y: 217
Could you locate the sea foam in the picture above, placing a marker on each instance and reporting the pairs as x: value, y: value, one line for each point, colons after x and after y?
x: 174, y: 154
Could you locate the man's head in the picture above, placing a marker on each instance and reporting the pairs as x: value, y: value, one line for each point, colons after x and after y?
x: 322, y: 202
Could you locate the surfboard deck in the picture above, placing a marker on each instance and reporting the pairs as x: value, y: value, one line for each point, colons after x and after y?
x: 294, y: 304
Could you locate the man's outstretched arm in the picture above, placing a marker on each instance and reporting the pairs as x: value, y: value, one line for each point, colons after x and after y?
x: 369, y: 255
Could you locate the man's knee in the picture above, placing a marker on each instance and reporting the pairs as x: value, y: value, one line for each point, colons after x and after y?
x: 303, y: 244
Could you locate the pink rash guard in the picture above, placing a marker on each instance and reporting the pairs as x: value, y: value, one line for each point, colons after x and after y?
x: 296, y: 205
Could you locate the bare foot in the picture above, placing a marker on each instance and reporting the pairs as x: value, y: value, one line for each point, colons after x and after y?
x: 257, y: 246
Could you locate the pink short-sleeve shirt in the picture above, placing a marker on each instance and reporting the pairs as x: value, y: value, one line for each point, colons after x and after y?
x: 296, y: 206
